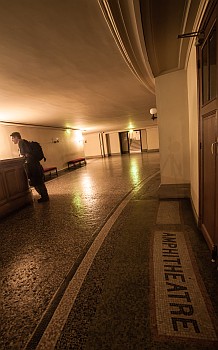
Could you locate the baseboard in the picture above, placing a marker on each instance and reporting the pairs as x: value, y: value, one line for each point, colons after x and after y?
x: 152, y: 150
x: 196, y: 217
x: 168, y: 191
x: 93, y: 157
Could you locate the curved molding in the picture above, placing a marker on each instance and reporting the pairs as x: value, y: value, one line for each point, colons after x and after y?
x: 195, y: 24
x: 4, y: 122
x: 124, y: 22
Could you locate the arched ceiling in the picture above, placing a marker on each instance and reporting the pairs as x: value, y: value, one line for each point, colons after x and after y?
x: 60, y: 65
x: 162, y: 22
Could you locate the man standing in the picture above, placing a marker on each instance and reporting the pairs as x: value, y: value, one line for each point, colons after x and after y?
x: 33, y: 167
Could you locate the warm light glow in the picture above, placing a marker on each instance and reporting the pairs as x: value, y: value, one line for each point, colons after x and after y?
x: 77, y: 201
x: 78, y: 136
x: 87, y: 185
x: 153, y: 110
x: 68, y: 131
x: 81, y: 199
x: 11, y: 114
x: 130, y: 133
x: 134, y: 172
x: 131, y: 126
x: 23, y: 272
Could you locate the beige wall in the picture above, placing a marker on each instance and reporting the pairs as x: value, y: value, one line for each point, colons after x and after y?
x: 149, y: 136
x: 193, y: 128
x: 115, y: 143
x: 144, y: 140
x: 152, y: 138
x: 172, y: 107
x: 70, y: 143
x: 92, y: 145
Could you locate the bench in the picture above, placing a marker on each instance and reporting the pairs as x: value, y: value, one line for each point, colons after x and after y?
x: 50, y: 170
x: 76, y: 161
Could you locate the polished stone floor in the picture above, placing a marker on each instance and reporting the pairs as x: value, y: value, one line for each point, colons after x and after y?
x: 106, y: 265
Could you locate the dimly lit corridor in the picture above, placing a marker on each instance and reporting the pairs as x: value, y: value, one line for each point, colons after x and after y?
x: 86, y: 270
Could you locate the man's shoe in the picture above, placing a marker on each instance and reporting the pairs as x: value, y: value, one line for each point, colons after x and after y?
x: 42, y: 200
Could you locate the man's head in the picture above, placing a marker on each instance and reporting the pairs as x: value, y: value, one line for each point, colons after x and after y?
x: 15, y: 137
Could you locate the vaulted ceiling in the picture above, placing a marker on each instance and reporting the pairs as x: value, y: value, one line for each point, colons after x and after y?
x: 88, y: 64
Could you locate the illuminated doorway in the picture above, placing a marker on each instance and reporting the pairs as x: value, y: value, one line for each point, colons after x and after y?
x: 135, y: 145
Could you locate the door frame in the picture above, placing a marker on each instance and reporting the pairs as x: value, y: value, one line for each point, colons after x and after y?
x: 121, y: 134
x: 208, y: 108
x: 140, y: 135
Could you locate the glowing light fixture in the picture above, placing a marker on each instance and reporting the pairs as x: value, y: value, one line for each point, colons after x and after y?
x: 130, y: 133
x: 78, y: 136
x: 153, y: 112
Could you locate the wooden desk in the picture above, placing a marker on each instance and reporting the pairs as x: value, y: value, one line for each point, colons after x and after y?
x: 14, y: 187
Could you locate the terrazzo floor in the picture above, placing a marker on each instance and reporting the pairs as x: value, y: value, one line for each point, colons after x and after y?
x: 88, y: 270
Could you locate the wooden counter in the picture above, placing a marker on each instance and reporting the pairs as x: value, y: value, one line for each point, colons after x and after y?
x: 14, y: 187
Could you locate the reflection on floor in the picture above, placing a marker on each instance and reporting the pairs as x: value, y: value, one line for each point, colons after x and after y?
x: 106, y: 265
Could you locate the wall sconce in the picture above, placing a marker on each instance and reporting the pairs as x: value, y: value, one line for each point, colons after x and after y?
x: 78, y: 136
x: 56, y: 140
x: 153, y: 112
x: 199, y: 37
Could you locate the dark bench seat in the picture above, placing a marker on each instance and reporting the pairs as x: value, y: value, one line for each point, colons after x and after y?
x: 50, y: 170
x: 76, y: 161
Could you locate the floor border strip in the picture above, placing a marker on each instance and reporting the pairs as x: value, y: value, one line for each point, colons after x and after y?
x: 162, y: 296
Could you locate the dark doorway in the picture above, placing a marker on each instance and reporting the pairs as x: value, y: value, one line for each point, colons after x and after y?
x: 108, y: 144
x: 124, y: 142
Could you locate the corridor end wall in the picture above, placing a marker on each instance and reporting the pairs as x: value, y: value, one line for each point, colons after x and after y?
x: 69, y: 145
x: 173, y: 122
